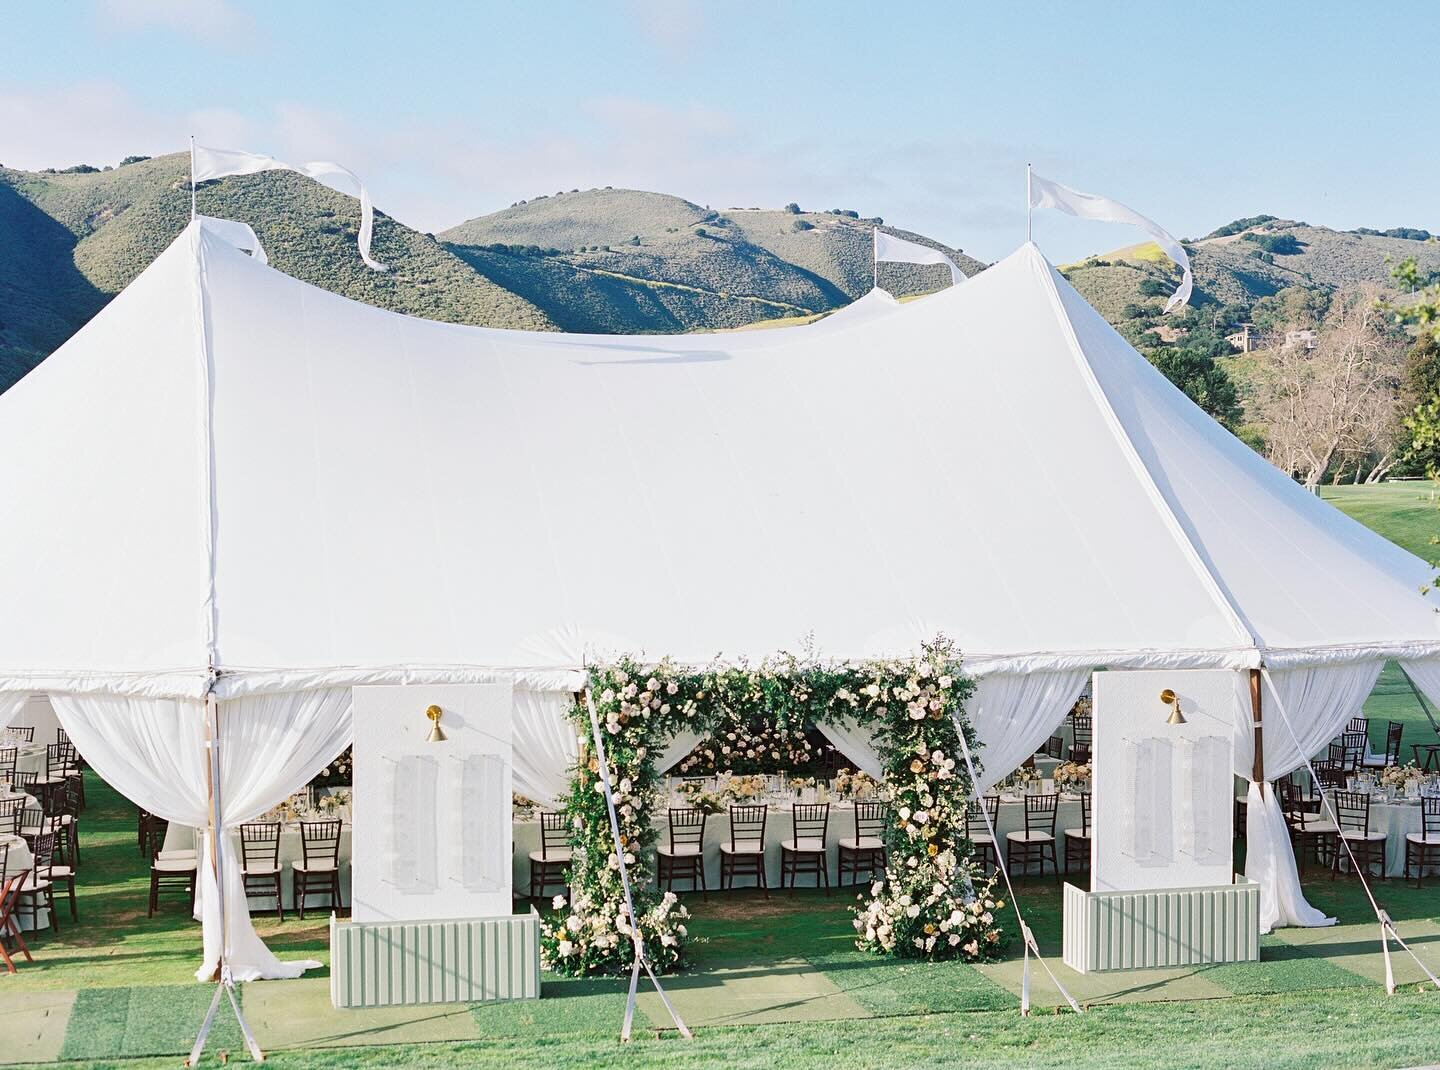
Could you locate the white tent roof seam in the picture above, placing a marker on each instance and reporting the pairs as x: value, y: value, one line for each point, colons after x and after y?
x: 228, y: 466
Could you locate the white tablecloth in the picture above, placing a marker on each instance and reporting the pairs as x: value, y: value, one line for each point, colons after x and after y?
x: 1395, y: 819
x: 184, y: 838
x: 30, y: 758
x: 19, y: 858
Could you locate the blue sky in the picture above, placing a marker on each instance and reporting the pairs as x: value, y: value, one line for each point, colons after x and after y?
x: 925, y: 114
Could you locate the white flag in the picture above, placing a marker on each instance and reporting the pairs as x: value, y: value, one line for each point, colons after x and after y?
x: 1047, y: 194
x: 217, y: 163
x: 240, y: 235
x: 889, y: 247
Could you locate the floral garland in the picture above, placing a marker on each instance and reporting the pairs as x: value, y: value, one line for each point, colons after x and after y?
x: 910, y: 701
x: 932, y: 902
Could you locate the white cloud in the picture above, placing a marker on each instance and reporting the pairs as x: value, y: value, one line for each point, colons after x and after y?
x: 216, y: 21
x: 99, y: 123
x: 433, y: 175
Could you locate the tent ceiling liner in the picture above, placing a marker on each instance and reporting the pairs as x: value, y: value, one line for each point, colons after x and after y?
x: 399, y: 499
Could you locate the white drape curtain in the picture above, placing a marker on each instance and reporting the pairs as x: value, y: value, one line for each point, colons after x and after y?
x: 1014, y: 715
x: 153, y: 751
x: 1425, y: 673
x: 11, y: 703
x: 1317, y: 703
x: 545, y: 745
x: 856, y: 742
x: 680, y: 745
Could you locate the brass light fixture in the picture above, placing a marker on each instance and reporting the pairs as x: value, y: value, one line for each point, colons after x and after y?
x: 1173, y: 701
x: 437, y: 734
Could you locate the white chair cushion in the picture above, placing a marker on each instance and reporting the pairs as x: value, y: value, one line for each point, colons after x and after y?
x: 559, y: 854
x: 982, y: 839
x: 1314, y: 826
x: 680, y: 850
x: 61, y: 873
x: 318, y: 866
x: 1357, y: 836
x: 179, y: 856
x: 1077, y: 834
x: 863, y: 843
x: 745, y: 847
x: 1419, y: 837
x: 804, y: 843
x: 1033, y: 836
x: 34, y: 884
x: 173, y: 865
x: 259, y: 870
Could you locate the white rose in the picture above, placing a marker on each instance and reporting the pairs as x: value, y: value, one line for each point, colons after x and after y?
x: 558, y: 902
x: 565, y: 948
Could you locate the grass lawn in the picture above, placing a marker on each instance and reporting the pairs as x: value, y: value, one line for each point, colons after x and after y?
x: 776, y: 982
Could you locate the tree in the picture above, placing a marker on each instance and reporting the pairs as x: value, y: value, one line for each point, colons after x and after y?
x: 1204, y: 382
x: 1336, y: 403
x: 793, y: 208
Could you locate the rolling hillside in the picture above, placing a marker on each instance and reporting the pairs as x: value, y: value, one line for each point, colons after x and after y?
x: 650, y: 261
x: 603, y: 260
x: 1237, y: 268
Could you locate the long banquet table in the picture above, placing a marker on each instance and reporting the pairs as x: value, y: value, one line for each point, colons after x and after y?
x: 183, y: 838
x: 780, y: 826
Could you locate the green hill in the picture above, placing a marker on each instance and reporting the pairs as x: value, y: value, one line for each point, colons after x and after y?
x: 596, y: 257
x: 70, y: 242
x: 603, y: 260
x: 1253, y: 258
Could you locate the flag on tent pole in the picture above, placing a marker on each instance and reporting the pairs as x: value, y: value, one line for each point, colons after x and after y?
x: 1047, y: 194
x: 210, y: 163
x: 889, y: 247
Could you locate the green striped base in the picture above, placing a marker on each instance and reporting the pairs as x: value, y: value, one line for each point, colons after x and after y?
x: 388, y: 964
x: 1152, y: 930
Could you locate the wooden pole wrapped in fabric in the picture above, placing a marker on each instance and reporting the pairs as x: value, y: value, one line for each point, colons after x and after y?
x: 1257, y: 770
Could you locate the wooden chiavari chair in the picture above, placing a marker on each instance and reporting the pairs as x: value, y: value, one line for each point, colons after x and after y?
x: 1422, y: 849
x: 170, y: 873
x: 318, y: 871
x: 805, y: 852
x: 260, y: 862
x: 987, y: 854
x: 10, y: 885
x: 1077, y: 841
x: 550, y: 865
x: 744, y: 854
x: 865, y: 852
x: 683, y: 858
x: 1031, y: 846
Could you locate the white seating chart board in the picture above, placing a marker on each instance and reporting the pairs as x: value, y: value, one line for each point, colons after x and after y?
x: 432, y: 820
x: 1163, y: 803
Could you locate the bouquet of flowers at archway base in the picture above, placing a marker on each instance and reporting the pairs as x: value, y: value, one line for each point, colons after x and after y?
x: 908, y: 702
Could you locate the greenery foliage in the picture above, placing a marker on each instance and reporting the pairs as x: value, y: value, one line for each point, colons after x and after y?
x: 639, y: 707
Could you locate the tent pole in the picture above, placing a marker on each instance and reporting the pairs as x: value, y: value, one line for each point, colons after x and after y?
x: 1029, y: 208
x: 224, y: 982
x: 1257, y: 771
x: 875, y: 257
x: 192, y: 178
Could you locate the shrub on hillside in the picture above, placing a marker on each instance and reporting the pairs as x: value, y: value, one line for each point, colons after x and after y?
x: 801, y: 224
x: 1277, y: 244
x: 793, y: 208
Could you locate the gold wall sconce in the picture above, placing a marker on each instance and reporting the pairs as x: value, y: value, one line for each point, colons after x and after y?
x: 437, y: 734
x: 1173, y: 701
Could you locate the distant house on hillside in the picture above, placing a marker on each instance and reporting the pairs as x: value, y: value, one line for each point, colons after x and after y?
x: 1303, y: 339
x: 1245, y: 339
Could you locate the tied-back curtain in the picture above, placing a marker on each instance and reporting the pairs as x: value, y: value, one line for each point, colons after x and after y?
x: 855, y: 741
x: 681, y: 744
x: 11, y: 703
x: 545, y: 745
x: 153, y: 751
x: 1014, y: 715
x: 1318, y: 702
x: 1425, y: 673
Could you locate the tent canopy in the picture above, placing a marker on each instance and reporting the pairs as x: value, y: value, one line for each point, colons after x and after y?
x: 228, y: 467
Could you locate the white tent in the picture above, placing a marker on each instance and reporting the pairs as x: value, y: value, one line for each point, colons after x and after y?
x: 233, y: 482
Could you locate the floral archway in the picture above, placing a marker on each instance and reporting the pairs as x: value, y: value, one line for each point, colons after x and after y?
x: 933, y: 902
